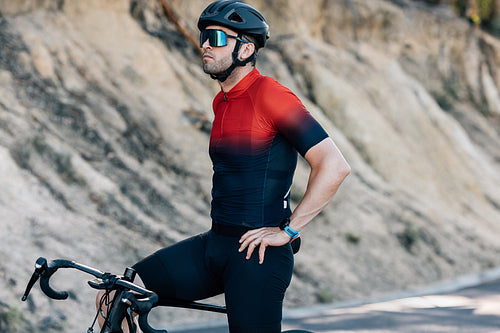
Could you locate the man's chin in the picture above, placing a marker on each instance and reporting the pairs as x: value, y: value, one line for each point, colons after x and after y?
x: 214, y: 71
x: 208, y: 70
x: 211, y: 72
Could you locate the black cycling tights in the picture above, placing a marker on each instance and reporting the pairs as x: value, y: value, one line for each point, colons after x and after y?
x: 210, y: 264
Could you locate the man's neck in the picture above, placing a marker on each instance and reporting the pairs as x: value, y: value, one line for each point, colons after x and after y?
x: 236, y: 76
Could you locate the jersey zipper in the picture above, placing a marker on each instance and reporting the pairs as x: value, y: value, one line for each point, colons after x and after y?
x: 221, y: 126
x: 223, y: 115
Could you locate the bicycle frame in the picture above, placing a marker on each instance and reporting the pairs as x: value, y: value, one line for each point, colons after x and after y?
x: 128, y: 295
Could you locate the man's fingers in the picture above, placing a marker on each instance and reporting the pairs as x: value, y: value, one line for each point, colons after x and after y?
x: 252, y: 247
x: 249, y: 237
x: 247, y: 241
x: 249, y: 234
x: 263, y: 237
x: 262, y: 251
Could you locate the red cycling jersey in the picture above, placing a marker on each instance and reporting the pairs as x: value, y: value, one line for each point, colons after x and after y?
x: 258, y: 129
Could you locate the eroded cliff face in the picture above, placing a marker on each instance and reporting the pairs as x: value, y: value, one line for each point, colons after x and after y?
x: 104, y: 121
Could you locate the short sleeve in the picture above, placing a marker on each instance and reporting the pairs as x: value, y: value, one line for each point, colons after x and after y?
x: 285, y: 112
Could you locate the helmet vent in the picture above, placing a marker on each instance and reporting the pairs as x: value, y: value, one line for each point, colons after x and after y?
x: 235, y: 17
x: 259, y: 17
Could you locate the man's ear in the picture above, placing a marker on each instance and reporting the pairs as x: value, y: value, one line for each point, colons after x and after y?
x: 246, y: 50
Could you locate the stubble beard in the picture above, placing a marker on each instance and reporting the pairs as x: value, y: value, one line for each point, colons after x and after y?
x: 216, y: 67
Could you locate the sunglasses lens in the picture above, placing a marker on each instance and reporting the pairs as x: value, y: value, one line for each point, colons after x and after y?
x: 215, y: 38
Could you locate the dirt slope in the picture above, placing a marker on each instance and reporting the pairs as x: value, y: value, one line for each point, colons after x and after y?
x: 104, y: 122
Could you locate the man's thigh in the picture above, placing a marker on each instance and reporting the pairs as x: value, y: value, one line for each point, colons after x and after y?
x: 255, y: 292
x: 179, y: 271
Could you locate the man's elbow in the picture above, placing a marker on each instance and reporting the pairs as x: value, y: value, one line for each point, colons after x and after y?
x: 343, y: 170
x: 339, y: 169
x: 328, y: 161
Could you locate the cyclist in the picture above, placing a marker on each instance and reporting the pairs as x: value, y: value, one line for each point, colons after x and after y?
x: 258, y: 129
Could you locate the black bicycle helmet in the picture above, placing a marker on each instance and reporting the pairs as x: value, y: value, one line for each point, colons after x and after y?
x: 237, y: 16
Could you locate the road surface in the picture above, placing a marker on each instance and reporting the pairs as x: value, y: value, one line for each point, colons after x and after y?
x: 472, y: 309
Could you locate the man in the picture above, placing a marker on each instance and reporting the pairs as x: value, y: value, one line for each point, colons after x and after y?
x: 258, y: 129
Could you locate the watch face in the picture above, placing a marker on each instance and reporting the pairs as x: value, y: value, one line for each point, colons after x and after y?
x: 292, y: 233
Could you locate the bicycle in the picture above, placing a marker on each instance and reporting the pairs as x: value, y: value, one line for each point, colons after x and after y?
x: 128, y: 299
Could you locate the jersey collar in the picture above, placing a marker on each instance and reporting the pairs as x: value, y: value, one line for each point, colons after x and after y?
x: 243, y: 85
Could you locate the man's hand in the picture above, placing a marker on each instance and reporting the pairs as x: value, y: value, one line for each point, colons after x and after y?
x: 268, y: 236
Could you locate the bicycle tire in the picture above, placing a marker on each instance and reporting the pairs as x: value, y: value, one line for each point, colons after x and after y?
x: 297, y: 331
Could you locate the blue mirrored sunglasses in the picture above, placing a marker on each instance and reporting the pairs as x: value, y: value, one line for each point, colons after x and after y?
x: 216, y: 38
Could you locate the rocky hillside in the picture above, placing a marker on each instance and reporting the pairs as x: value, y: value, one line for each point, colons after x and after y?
x: 104, y: 122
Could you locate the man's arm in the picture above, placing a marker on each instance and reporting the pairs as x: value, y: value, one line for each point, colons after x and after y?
x: 328, y: 171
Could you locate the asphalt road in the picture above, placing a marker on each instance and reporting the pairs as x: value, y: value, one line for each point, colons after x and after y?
x: 473, y: 309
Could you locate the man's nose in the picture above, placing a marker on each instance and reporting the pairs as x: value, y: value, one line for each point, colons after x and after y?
x: 206, y: 45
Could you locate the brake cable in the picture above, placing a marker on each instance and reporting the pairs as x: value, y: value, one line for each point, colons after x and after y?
x: 104, y: 300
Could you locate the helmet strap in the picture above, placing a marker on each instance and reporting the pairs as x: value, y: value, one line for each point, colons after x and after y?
x: 236, y: 62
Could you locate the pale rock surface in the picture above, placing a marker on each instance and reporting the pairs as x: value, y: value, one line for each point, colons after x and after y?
x: 104, y: 120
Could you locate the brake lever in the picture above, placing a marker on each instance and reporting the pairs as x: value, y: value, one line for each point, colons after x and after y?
x: 142, y: 308
x: 40, y: 268
x: 145, y: 327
